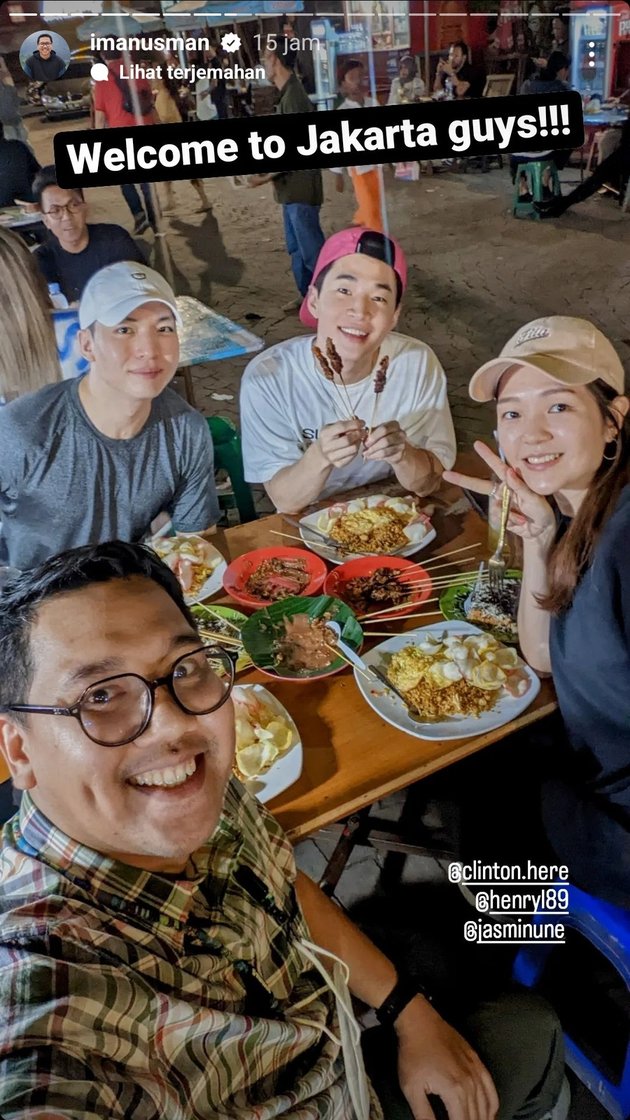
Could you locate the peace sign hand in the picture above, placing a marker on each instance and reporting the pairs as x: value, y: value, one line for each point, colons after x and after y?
x: 531, y: 515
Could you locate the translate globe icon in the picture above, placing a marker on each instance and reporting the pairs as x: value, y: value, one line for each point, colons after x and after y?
x: 230, y: 42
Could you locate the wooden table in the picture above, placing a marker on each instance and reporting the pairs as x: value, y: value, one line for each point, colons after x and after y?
x: 352, y: 758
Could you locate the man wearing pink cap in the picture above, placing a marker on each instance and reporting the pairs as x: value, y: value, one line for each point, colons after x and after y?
x: 306, y: 438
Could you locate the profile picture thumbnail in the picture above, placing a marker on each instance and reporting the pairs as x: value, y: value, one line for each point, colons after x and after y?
x: 44, y: 56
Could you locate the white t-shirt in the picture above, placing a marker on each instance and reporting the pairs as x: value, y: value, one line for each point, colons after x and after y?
x: 206, y: 109
x: 286, y: 401
x: 401, y: 92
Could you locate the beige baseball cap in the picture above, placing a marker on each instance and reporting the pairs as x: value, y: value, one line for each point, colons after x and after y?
x: 571, y: 350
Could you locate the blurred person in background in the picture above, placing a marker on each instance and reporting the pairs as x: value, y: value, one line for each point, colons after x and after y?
x: 18, y: 168
x: 366, y: 180
x: 300, y: 193
x: 551, y: 79
x: 457, y: 75
x: 75, y: 249
x: 28, y: 353
x: 122, y: 103
x: 181, y: 87
x: 10, y: 107
x: 560, y: 40
x: 168, y: 110
x: 614, y: 170
x: 408, y: 86
x: 212, y: 94
x: 560, y: 28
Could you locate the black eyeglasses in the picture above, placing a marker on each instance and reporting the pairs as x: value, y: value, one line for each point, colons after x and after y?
x: 72, y: 207
x: 117, y: 710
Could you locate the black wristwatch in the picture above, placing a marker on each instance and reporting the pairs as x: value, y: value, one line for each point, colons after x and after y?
x: 405, y: 989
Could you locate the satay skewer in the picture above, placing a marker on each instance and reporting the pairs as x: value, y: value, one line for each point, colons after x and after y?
x: 336, y: 364
x: 441, y: 555
x: 380, y: 379
x: 393, y: 633
x: 399, y: 607
x: 329, y: 374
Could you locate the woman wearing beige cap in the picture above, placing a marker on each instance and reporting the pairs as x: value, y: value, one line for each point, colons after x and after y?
x: 562, y: 420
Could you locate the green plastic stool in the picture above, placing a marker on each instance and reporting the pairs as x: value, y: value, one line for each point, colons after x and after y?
x: 534, y: 172
x: 228, y: 456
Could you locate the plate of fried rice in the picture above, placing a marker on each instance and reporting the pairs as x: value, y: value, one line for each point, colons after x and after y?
x: 457, y: 680
x: 375, y: 526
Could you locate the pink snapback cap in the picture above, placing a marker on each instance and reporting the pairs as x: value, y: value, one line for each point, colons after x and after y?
x: 357, y: 240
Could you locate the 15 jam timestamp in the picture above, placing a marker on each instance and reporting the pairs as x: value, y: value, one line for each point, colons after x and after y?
x: 293, y: 43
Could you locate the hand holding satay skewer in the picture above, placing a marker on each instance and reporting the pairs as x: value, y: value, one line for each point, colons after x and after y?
x: 380, y: 380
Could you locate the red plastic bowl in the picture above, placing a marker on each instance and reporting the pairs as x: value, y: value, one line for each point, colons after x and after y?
x: 244, y: 566
x: 365, y: 566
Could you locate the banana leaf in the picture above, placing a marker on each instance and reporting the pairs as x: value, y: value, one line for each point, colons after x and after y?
x: 263, y: 629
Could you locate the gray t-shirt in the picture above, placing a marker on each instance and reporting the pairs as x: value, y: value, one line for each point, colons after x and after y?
x: 63, y: 483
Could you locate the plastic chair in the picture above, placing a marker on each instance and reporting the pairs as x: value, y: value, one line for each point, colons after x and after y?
x: 228, y: 456
x: 607, y: 928
x: 593, y: 152
x: 537, y: 190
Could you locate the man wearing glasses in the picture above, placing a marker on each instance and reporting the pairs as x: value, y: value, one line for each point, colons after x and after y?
x: 75, y: 250
x: 161, y: 956
x: 101, y: 457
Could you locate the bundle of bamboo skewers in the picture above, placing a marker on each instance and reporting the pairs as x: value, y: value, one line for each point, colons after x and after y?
x: 331, y: 366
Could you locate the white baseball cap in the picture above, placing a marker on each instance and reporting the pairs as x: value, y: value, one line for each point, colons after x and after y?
x: 114, y: 292
x: 572, y: 350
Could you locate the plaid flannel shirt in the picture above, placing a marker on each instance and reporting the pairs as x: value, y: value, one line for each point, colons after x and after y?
x: 124, y: 993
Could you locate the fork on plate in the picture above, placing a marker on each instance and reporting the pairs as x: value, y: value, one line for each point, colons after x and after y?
x: 496, y: 563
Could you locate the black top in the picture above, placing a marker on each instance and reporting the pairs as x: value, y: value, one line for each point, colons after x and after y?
x: 107, y: 245
x: 475, y: 76
x: 219, y: 97
x: 590, y: 662
x: 471, y: 74
x: 304, y: 186
x: 18, y: 168
x: 44, y: 69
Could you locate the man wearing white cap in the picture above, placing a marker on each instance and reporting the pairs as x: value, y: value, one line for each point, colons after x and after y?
x: 98, y: 459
